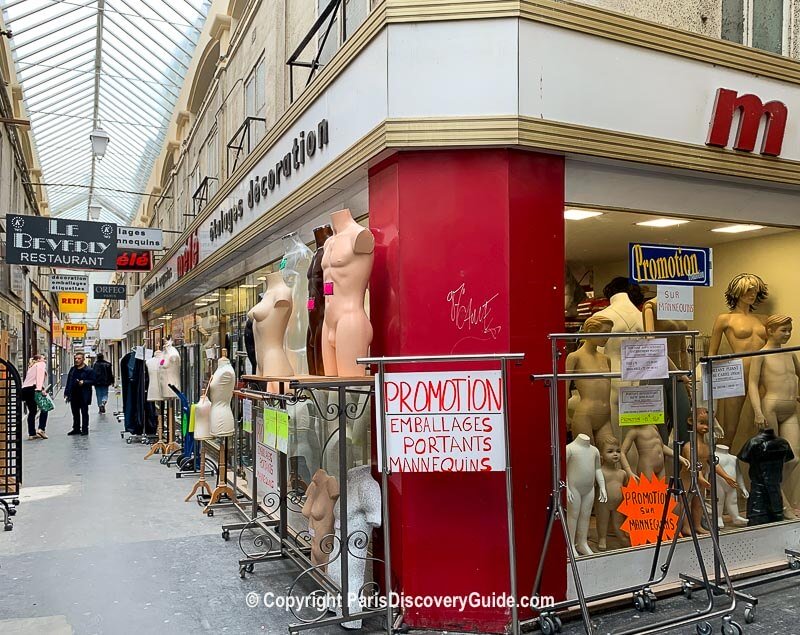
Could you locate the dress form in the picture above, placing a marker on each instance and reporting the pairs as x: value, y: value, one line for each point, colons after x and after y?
x: 583, y: 470
x: 727, y: 497
x: 171, y: 370
x: 346, y: 266
x: 270, y: 319
x: 220, y: 392
x: 295, y: 263
x: 202, y: 418
x: 316, y: 303
x: 321, y: 497
x: 154, y: 370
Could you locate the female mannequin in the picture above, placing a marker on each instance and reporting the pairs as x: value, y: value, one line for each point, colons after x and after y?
x: 220, y: 391
x: 296, y: 259
x: 316, y: 303
x: 171, y: 370
x: 270, y: 319
x: 583, y: 470
x: 727, y: 498
x: 614, y: 477
x: 346, y: 267
x: 745, y: 333
x: 321, y: 497
x: 154, y: 370
x: 592, y: 415
x: 202, y: 418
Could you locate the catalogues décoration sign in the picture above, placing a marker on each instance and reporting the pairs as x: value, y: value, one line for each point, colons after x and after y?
x: 65, y: 282
x: 141, y: 238
x: 110, y: 292
x: 55, y: 242
x: 444, y: 422
x: 670, y: 264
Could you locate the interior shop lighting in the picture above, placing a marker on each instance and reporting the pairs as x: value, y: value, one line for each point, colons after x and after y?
x: 662, y: 222
x: 580, y: 214
x: 737, y: 229
x: 201, y: 304
x: 262, y: 278
x: 248, y: 286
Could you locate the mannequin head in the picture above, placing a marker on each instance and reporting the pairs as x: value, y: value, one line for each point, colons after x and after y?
x: 779, y: 328
x: 321, y: 234
x: 610, y: 451
x: 747, y: 289
x: 598, y: 324
x: 702, y: 421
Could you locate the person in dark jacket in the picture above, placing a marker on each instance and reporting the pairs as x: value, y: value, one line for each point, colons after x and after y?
x: 78, y: 392
x: 103, y: 378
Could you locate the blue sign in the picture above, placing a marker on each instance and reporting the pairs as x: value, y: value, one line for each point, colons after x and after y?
x: 670, y: 264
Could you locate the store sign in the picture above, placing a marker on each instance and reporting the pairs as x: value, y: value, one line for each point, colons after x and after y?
x: 752, y: 111
x: 73, y: 302
x: 444, y: 422
x: 129, y: 260
x: 140, y: 238
x: 110, y: 292
x: 63, y: 282
x: 670, y: 264
x: 643, y: 504
x: 54, y: 242
x: 40, y: 308
x: 675, y: 303
x: 190, y: 257
x: 159, y: 282
x: 75, y: 330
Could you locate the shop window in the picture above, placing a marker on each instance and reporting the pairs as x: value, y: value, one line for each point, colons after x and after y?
x: 758, y: 23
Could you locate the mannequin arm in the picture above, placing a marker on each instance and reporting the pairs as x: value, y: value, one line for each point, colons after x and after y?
x: 364, y: 242
x: 668, y: 452
x: 716, y: 334
x: 796, y: 367
x: 571, y: 363
x: 753, y: 392
x: 648, y: 317
x: 623, y: 459
x: 601, y: 480
x: 726, y: 477
x: 740, y: 481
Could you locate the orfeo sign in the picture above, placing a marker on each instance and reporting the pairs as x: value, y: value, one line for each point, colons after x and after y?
x: 72, y: 302
x: 75, y: 329
x: 139, y: 238
x: 66, y: 282
x: 54, y: 242
x: 110, y: 292
x: 444, y: 422
x: 670, y: 264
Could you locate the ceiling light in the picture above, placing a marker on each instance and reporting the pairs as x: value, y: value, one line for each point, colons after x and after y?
x: 737, y: 229
x: 201, y: 304
x: 248, y: 286
x: 662, y: 222
x: 99, y: 139
x: 580, y: 214
x: 261, y: 278
x: 94, y: 212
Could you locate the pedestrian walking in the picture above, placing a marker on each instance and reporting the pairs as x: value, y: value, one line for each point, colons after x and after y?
x: 35, y: 379
x: 78, y: 392
x: 103, y: 378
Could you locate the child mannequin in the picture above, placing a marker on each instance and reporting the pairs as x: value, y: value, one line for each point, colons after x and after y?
x: 651, y: 449
x: 615, y: 477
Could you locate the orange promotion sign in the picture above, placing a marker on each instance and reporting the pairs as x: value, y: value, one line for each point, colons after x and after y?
x: 70, y: 302
x: 75, y: 330
x: 643, y: 505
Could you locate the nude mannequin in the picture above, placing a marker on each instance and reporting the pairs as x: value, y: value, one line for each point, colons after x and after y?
x: 316, y: 303
x: 727, y: 498
x: 270, y: 319
x: 583, y: 470
x: 592, y: 415
x: 346, y: 267
x: 772, y: 389
x: 295, y: 263
x: 154, y: 370
x: 745, y: 332
x: 220, y: 391
x: 321, y: 497
x: 615, y: 477
x: 170, y: 370
x: 651, y: 449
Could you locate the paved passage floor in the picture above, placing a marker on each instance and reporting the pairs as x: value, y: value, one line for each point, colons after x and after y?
x: 103, y: 543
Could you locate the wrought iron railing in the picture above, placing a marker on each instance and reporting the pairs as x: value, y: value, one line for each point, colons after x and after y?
x: 244, y: 140
x: 201, y: 196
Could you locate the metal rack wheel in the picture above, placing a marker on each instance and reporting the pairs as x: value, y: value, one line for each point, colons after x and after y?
x: 243, y: 572
x: 704, y: 628
x: 731, y: 628
x: 794, y: 563
x: 549, y: 624
x: 8, y: 527
x: 250, y: 567
x: 749, y: 614
x: 686, y: 588
x: 226, y: 534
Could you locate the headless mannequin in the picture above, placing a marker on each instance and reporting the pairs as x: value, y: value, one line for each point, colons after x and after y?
x: 316, y: 303
x: 250, y: 346
x: 651, y: 450
x: 745, y: 333
x: 321, y: 497
x: 171, y: 369
x: 154, y: 370
x: 346, y: 267
x: 583, y: 470
x: 727, y: 498
x: 592, y: 415
x: 295, y: 263
x: 202, y: 418
x: 220, y: 391
x: 614, y: 477
x: 766, y: 453
x: 270, y: 318
x: 363, y: 516
x: 304, y: 450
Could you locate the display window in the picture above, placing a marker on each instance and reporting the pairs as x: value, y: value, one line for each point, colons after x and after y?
x: 747, y: 305
x: 11, y: 329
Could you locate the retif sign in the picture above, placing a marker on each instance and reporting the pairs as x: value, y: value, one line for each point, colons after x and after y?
x: 54, y: 242
x: 73, y: 302
x: 109, y: 292
x: 445, y: 422
x: 75, y: 330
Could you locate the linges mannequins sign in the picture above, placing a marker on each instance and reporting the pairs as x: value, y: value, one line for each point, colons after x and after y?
x: 55, y: 242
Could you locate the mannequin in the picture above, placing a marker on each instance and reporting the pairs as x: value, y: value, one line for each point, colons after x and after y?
x: 304, y: 450
x: 727, y: 498
x: 316, y: 303
x: 363, y: 516
x: 321, y: 497
x: 583, y: 470
x: 346, y: 267
x: 614, y: 477
x: 745, y: 332
x: 296, y: 260
x: 651, y: 449
x: 250, y: 346
x: 220, y: 392
x: 357, y: 451
x: 270, y: 319
x: 154, y: 370
x: 766, y: 453
x: 171, y: 370
x: 592, y: 415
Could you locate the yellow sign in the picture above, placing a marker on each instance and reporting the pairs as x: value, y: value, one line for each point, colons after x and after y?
x: 57, y: 331
x: 70, y: 302
x: 75, y: 330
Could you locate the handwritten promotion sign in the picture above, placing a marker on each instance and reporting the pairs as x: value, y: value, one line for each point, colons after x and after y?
x: 643, y: 505
x: 276, y: 429
x: 675, y: 303
x: 266, y: 459
x: 641, y: 405
x: 644, y: 359
x: 444, y: 422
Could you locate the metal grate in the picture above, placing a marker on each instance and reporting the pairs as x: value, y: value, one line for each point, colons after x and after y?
x: 10, y: 430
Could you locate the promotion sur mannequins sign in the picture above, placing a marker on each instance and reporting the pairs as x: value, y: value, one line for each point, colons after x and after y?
x: 55, y: 242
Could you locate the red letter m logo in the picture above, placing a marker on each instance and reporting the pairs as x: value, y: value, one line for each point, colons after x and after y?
x: 751, y: 112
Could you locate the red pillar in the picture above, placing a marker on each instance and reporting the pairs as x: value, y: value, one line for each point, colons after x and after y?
x: 469, y: 258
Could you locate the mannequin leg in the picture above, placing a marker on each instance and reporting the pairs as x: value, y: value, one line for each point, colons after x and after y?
x: 582, y: 424
x: 616, y: 521
x: 329, y: 367
x: 582, y: 531
x: 790, y: 430
x: 603, y: 515
x: 722, y: 501
x: 353, y: 336
x: 732, y: 505
x: 573, y: 512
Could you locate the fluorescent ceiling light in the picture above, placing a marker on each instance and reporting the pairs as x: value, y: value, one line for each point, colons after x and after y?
x: 580, y: 214
x: 248, y: 286
x: 662, y: 222
x: 200, y: 304
x: 261, y: 278
x: 737, y: 229
x: 213, y: 295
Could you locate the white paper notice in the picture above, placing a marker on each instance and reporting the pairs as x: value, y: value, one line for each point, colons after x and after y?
x: 148, y: 353
x: 644, y: 359
x: 728, y: 380
x: 641, y: 405
x: 675, y: 302
x: 140, y: 352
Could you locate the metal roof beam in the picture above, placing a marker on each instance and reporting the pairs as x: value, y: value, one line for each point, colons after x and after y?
x: 47, y: 82
x: 24, y: 77
x: 49, y: 47
x: 177, y: 44
x: 147, y: 35
x: 118, y: 104
x: 171, y: 23
x: 55, y: 101
x: 75, y: 7
x: 48, y: 92
x: 160, y: 111
x: 110, y: 62
x: 110, y: 45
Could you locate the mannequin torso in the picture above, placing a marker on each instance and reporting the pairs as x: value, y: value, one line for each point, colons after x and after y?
x: 154, y: 370
x: 592, y: 415
x: 727, y: 497
x: 296, y: 260
x: 676, y: 346
x: 220, y: 392
x: 321, y: 497
x: 171, y: 370
x: 270, y: 319
x: 316, y: 303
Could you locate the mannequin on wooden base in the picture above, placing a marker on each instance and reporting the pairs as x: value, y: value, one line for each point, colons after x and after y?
x: 220, y: 392
x: 316, y: 302
x: 202, y: 433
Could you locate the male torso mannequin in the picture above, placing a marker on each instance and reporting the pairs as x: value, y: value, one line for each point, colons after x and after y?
x: 170, y: 370
x: 766, y: 453
x: 270, y: 319
x: 295, y: 263
x: 316, y: 303
x: 583, y: 470
x: 220, y: 391
x: 155, y: 381
x: 321, y: 497
x: 346, y: 266
x: 727, y: 497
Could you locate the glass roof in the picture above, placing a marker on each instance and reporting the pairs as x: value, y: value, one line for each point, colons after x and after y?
x: 142, y: 49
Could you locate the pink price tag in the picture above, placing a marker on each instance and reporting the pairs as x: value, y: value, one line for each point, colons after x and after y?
x: 162, y: 362
x: 311, y: 304
x: 328, y: 288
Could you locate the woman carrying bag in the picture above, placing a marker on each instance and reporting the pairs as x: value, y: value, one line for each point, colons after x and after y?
x: 35, y: 396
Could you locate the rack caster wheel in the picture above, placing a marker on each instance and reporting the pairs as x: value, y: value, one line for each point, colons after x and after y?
x: 15, y: 501
x: 250, y: 567
x: 226, y: 535
x: 12, y: 512
x: 749, y: 614
x: 128, y: 441
x: 242, y: 572
x: 794, y: 563
x: 731, y: 628
x: 686, y: 588
x: 8, y: 527
x: 644, y: 601
x: 704, y: 628
x: 549, y: 624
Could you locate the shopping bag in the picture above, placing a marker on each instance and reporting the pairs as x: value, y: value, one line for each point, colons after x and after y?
x: 43, y: 402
